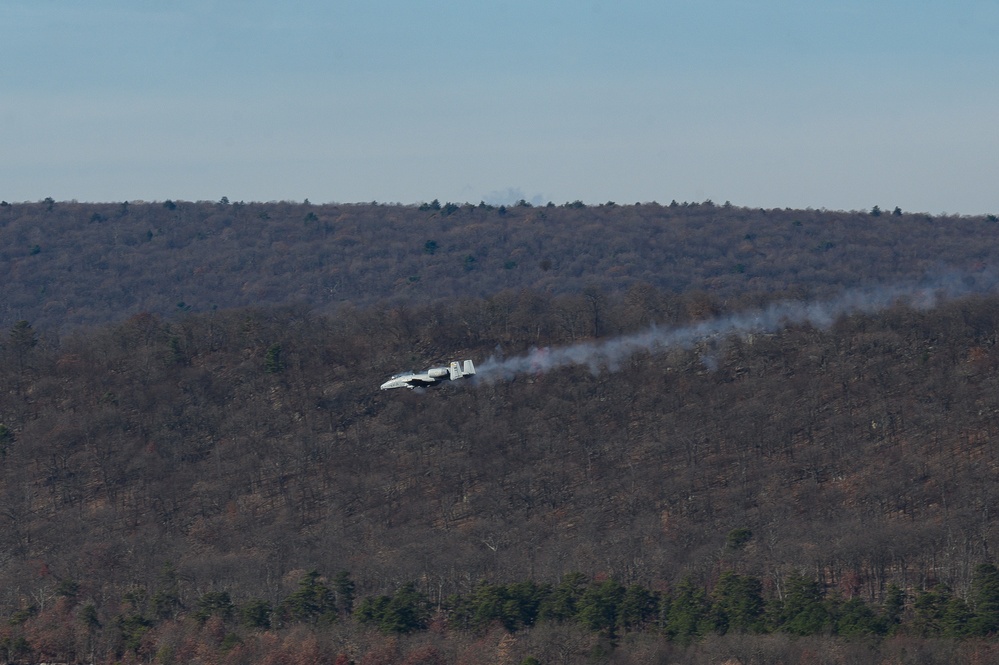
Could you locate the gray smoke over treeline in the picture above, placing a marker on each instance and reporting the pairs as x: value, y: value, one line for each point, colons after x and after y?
x: 607, y: 355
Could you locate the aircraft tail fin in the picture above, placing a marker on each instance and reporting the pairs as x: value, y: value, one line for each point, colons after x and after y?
x: 456, y: 370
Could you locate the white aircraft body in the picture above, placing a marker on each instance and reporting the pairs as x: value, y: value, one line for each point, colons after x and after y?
x: 430, y: 377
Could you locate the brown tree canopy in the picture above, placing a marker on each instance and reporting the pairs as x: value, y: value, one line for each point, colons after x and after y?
x: 64, y: 264
x: 190, y: 430
x: 861, y: 450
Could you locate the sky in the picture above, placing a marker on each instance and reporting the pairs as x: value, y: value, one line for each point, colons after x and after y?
x: 829, y: 104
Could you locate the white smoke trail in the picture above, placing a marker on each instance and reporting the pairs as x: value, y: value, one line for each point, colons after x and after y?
x: 608, y: 355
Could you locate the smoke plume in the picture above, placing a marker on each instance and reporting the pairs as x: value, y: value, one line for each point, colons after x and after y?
x: 607, y: 355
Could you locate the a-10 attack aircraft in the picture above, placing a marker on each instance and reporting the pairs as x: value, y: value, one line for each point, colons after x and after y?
x: 430, y: 377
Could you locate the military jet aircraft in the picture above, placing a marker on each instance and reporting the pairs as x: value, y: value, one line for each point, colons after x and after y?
x: 430, y: 377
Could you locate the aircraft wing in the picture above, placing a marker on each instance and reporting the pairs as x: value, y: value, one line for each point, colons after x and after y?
x: 410, y: 380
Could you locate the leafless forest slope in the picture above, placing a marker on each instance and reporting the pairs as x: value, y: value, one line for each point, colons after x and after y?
x: 67, y: 264
x: 227, y: 484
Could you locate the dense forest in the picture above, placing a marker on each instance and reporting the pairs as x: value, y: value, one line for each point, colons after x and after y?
x: 66, y: 264
x: 226, y: 484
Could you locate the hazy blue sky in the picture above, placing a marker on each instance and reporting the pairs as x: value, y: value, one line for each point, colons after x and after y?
x: 837, y: 104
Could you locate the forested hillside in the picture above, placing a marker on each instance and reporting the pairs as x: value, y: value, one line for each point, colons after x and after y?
x: 231, y: 486
x: 66, y: 264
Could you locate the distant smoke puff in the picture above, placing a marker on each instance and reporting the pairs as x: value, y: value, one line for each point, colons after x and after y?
x: 609, y: 354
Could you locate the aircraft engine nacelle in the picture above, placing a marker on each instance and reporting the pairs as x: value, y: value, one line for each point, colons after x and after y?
x: 437, y: 372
